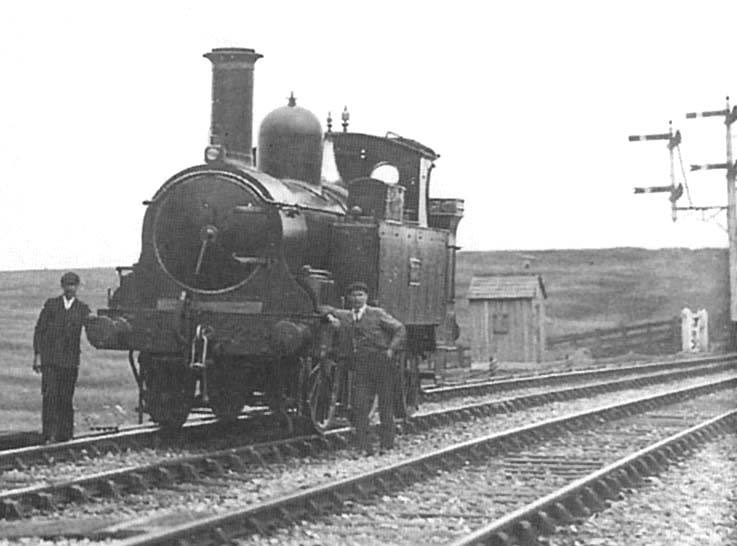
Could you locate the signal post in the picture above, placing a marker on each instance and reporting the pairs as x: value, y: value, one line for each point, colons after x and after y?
x: 675, y: 190
x: 729, y: 115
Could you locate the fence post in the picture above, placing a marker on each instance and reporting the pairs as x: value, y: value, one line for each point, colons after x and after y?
x: 676, y: 334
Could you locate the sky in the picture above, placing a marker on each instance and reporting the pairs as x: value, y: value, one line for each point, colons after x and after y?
x: 529, y: 104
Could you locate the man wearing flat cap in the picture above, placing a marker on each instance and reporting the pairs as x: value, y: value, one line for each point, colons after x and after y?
x: 56, y: 357
x: 375, y: 337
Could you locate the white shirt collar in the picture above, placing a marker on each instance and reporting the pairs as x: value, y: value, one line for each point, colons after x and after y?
x: 68, y: 303
x: 358, y: 314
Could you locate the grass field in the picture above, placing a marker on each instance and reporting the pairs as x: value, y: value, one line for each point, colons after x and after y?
x: 586, y: 289
x: 602, y: 288
x: 105, y: 394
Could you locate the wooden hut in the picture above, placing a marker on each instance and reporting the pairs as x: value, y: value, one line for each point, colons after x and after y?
x: 507, y: 317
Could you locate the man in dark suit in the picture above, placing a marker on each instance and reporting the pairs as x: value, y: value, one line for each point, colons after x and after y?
x: 56, y: 357
x: 375, y: 337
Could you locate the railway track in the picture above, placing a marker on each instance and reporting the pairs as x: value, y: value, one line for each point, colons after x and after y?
x: 575, y: 462
x: 18, y: 439
x: 150, y: 436
x: 135, y: 437
x: 167, y: 473
x: 568, y: 377
x: 589, y: 492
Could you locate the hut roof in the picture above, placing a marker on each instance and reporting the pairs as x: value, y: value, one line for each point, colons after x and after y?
x: 508, y: 286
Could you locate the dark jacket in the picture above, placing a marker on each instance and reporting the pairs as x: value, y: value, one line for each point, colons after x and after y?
x: 56, y: 337
x: 376, y: 332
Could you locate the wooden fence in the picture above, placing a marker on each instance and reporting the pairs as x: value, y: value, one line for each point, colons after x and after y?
x: 650, y: 338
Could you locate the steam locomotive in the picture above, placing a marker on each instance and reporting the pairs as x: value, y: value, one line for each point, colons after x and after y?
x: 240, y: 260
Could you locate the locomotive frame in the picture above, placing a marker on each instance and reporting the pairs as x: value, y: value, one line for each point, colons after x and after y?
x: 240, y: 264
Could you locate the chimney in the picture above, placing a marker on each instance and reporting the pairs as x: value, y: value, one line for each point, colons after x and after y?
x: 231, y: 126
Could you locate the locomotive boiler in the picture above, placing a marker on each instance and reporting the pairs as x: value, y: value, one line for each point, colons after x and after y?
x: 243, y: 255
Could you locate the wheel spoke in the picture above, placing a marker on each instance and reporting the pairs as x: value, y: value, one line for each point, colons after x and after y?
x: 321, y: 397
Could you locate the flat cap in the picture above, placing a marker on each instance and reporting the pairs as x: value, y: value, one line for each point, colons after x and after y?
x: 70, y: 278
x: 358, y: 285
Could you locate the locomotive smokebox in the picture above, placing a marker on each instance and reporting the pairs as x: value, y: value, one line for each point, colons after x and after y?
x: 231, y: 125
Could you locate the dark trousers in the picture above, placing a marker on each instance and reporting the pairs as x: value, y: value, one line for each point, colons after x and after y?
x: 57, y: 390
x: 373, y: 374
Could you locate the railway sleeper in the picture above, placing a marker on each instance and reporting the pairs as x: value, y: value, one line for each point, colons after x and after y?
x: 163, y: 476
x: 604, y: 489
x: 561, y: 514
x: 592, y: 500
x: 214, y: 467
x: 20, y: 463
x: 426, y: 468
x: 382, y: 487
x: 576, y: 507
x: 189, y: 472
x: 235, y: 462
x: 364, y: 492
x: 289, y: 450
x: 254, y: 457
x: 135, y: 483
x: 314, y: 508
x: 307, y: 448
x: 77, y: 493
x: 11, y: 509
x: 288, y: 516
x: 109, y: 488
x: 276, y: 454
x: 255, y: 524
x: 543, y: 523
x: 499, y: 539
x: 525, y: 534
x: 219, y: 535
x: 43, y: 501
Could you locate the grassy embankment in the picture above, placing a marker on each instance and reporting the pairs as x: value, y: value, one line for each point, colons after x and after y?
x: 602, y: 288
x: 105, y: 395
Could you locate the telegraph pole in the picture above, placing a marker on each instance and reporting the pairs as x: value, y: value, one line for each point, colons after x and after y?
x: 729, y: 115
x: 675, y: 191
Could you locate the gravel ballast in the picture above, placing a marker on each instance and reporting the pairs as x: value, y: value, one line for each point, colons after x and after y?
x: 56, y: 472
x: 440, y: 510
x: 259, y: 484
x: 694, y: 503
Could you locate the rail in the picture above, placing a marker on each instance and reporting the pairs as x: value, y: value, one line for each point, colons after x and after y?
x: 19, y: 502
x: 332, y: 497
x: 655, y: 337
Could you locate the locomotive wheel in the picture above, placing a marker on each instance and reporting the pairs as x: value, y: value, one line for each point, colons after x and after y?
x: 322, y: 395
x: 227, y: 391
x: 169, y: 391
x: 227, y: 404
